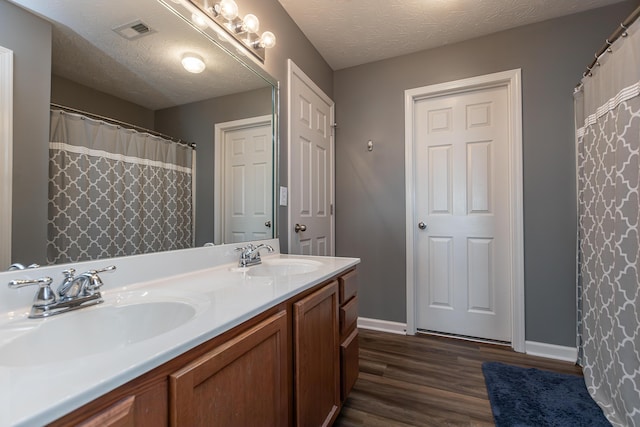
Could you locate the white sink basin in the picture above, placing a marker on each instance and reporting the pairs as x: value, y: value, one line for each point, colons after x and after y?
x: 88, y: 331
x: 283, y: 267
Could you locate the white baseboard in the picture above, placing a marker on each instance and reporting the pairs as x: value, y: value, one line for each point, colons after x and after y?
x: 532, y: 348
x: 382, y: 325
x: 551, y: 351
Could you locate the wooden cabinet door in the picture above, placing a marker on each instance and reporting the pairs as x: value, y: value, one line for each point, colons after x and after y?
x: 316, y: 358
x: 349, y: 363
x: 241, y: 383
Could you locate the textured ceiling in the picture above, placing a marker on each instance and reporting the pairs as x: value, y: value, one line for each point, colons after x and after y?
x: 353, y: 32
x: 147, y: 70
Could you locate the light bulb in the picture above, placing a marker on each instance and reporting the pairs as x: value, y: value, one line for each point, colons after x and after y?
x: 268, y: 40
x: 229, y: 9
x: 193, y: 63
x: 199, y: 20
x: 251, y: 23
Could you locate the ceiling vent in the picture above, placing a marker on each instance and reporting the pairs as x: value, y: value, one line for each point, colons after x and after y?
x: 134, y: 30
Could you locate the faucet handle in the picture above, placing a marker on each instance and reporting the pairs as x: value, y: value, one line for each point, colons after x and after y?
x: 105, y: 269
x: 95, y: 282
x: 245, y: 249
x: 18, y: 266
x: 45, y: 295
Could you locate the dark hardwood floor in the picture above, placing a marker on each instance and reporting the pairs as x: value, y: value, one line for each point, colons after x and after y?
x: 427, y: 381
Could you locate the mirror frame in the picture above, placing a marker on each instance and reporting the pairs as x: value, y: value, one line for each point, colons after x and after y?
x: 6, y: 153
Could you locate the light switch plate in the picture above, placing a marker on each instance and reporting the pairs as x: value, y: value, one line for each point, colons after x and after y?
x: 283, y: 196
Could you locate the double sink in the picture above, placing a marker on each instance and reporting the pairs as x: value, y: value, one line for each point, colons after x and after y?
x: 126, y: 318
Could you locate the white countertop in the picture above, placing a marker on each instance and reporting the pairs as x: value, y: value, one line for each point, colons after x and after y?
x: 224, y: 297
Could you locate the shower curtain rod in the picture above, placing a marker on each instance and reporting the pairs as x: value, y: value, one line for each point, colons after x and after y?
x: 123, y: 124
x: 621, y: 31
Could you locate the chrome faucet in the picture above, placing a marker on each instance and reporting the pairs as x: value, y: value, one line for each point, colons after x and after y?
x: 73, y: 293
x: 250, y: 254
x: 18, y: 266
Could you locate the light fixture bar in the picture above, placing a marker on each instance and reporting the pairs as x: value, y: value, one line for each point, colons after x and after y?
x: 224, y: 15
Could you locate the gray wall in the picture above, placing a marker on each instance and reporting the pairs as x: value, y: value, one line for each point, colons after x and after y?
x: 195, y: 123
x: 71, y: 94
x: 291, y: 43
x: 29, y: 38
x: 370, y: 203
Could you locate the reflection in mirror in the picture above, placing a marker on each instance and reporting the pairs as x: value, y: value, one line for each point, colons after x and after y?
x: 121, y: 61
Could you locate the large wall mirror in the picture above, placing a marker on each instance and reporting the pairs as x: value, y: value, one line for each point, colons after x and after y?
x: 119, y: 62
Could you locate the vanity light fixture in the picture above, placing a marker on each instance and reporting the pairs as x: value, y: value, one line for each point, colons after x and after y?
x: 228, y: 9
x: 199, y: 20
x: 250, y: 23
x: 223, y: 16
x: 193, y: 63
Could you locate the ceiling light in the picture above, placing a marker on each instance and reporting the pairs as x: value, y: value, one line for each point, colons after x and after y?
x: 193, y: 63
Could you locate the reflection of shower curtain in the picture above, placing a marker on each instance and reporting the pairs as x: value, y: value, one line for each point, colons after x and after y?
x: 115, y: 191
x: 608, y: 155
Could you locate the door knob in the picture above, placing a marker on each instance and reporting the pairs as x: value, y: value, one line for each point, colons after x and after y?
x: 300, y: 227
x: 267, y: 224
x: 422, y: 225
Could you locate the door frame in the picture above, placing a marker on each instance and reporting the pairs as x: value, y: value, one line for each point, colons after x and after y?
x: 6, y: 154
x: 294, y: 71
x: 512, y: 80
x: 220, y: 132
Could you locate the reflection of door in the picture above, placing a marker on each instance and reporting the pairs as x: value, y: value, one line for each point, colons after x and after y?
x: 463, y: 228
x: 6, y: 157
x: 244, y: 189
x: 311, y: 167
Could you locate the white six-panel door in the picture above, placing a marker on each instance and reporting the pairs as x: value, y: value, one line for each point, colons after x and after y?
x: 462, y: 252
x: 311, y: 167
x: 455, y: 266
x: 244, y: 186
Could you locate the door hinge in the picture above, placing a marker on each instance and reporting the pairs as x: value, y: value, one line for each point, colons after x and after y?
x: 331, y: 209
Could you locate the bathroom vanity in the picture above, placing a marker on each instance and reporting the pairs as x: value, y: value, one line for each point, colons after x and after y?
x: 274, y: 344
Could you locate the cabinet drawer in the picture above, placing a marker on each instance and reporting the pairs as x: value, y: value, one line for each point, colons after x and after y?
x: 348, y: 286
x: 349, y: 363
x: 348, y: 316
x: 120, y: 414
x: 142, y: 405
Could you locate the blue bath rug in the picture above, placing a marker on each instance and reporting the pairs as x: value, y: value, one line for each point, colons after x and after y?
x: 533, y: 397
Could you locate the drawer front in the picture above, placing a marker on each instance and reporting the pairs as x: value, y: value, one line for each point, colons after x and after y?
x: 349, y: 364
x: 348, y: 316
x: 348, y: 285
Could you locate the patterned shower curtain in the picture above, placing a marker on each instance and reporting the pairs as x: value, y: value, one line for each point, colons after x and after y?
x: 608, y: 168
x: 115, y: 191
